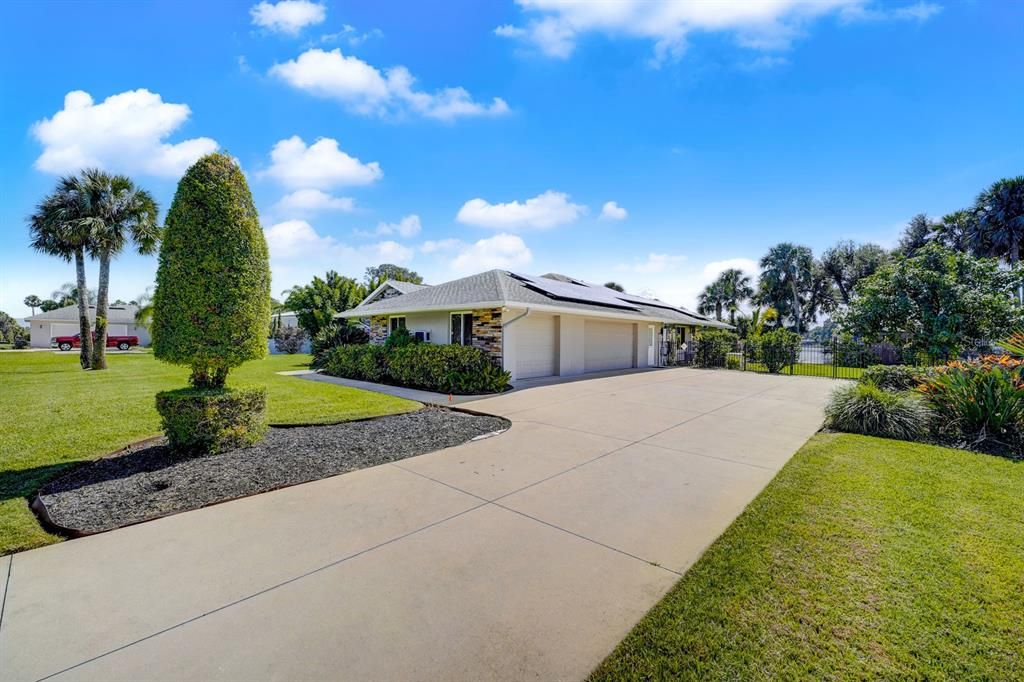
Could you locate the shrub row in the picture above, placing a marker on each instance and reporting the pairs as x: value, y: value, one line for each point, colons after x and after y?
x: 977, y: 404
x: 441, y: 368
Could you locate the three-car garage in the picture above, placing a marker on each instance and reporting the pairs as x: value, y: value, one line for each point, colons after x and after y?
x: 542, y: 345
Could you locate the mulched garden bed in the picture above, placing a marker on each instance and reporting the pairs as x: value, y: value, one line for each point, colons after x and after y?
x: 146, y: 481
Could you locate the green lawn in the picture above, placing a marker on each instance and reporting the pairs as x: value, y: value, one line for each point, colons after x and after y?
x: 811, y: 369
x: 864, y: 559
x: 54, y: 415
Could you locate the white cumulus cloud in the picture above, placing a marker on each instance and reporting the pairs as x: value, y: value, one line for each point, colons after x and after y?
x: 318, y: 166
x: 555, y: 26
x: 367, y: 90
x: 409, y: 226
x: 123, y: 133
x: 612, y: 211
x: 546, y: 210
x: 500, y: 251
x: 441, y: 245
x: 308, y: 201
x: 654, y: 263
x: 298, y: 251
x: 287, y: 16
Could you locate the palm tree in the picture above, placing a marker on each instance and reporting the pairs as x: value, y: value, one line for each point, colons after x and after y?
x: 737, y: 289
x: 144, y: 315
x: 56, y: 229
x: 956, y: 229
x: 1000, y: 220
x: 33, y: 302
x: 118, y: 212
x: 713, y: 300
x: 786, y: 270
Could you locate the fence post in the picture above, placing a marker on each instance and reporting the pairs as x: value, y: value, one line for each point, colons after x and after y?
x: 835, y: 358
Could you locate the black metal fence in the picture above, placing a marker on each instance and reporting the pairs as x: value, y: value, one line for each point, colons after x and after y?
x: 836, y: 359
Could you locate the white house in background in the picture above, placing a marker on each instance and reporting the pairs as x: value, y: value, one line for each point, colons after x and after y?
x: 64, y: 322
x: 551, y: 325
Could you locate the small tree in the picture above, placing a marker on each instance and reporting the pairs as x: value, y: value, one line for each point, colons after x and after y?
x: 936, y: 303
x: 211, y: 308
x: 33, y: 302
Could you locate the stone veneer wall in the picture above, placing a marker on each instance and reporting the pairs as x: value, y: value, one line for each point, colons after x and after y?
x: 378, y: 329
x: 487, y: 332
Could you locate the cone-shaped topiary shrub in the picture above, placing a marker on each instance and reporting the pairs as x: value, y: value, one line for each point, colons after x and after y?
x: 211, y: 308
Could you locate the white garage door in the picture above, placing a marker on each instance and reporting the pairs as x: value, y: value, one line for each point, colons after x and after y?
x: 117, y: 330
x: 61, y: 329
x: 536, y: 351
x: 607, y: 345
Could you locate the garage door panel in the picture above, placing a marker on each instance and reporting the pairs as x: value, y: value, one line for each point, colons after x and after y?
x: 607, y: 346
x: 61, y: 329
x: 536, y: 347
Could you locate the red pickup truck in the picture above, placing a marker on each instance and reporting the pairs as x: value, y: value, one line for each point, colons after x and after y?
x: 118, y: 342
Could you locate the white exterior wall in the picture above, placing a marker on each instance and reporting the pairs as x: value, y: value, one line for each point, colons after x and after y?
x: 437, y: 323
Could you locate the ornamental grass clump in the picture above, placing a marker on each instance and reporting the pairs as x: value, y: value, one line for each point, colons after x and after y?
x: 866, y: 409
x: 211, y: 308
x: 981, y: 401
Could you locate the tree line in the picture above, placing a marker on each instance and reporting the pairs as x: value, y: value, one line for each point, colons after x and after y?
x: 948, y: 283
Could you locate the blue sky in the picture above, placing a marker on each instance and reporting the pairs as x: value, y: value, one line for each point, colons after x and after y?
x: 454, y: 137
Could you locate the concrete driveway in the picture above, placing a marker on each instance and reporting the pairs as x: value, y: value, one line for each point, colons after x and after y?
x: 525, y: 556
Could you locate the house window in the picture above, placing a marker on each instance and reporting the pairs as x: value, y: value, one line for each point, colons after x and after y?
x: 462, y: 329
x: 396, y: 323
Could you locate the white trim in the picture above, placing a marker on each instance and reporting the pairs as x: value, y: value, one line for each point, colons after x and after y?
x: 462, y: 329
x: 558, y: 310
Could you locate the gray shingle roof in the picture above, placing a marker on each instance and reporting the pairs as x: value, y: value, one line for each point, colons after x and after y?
x: 117, y: 314
x: 502, y: 288
x: 406, y: 287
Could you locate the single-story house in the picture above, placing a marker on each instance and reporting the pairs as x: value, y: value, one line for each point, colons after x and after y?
x: 64, y: 322
x: 551, y: 325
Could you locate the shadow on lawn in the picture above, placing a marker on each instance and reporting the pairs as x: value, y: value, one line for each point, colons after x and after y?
x: 24, y: 483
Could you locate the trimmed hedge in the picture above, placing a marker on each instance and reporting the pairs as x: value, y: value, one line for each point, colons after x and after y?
x: 211, y: 308
x: 711, y: 346
x: 208, y: 421
x: 776, y: 350
x: 431, y: 367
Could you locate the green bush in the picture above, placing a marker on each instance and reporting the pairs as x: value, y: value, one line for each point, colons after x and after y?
x: 337, y: 333
x: 362, y: 362
x: 776, y: 350
x: 894, y: 377
x: 733, y: 361
x: 711, y: 346
x: 211, y: 420
x: 441, y: 368
x: 981, y: 401
x: 399, y: 338
x: 866, y: 409
x: 211, y: 308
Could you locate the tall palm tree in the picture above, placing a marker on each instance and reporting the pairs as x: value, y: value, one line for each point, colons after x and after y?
x: 56, y: 228
x: 737, y: 289
x: 33, y: 302
x: 118, y: 212
x: 1000, y: 220
x: 712, y: 300
x: 786, y: 271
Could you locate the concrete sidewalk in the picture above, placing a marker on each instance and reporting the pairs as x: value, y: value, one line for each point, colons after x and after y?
x: 527, y: 555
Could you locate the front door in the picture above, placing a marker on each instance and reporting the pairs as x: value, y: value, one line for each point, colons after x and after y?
x: 651, y: 346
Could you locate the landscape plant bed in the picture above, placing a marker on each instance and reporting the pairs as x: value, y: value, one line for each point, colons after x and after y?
x: 146, y: 481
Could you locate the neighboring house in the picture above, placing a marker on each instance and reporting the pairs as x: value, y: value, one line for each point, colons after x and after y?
x: 64, y: 322
x: 534, y: 326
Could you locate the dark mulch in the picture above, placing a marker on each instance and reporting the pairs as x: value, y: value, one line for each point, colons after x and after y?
x: 149, y: 482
